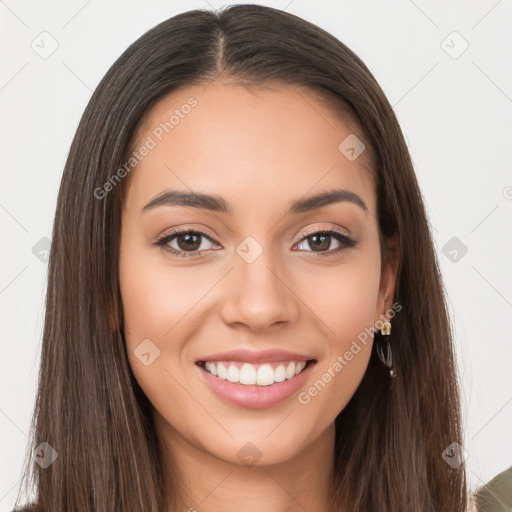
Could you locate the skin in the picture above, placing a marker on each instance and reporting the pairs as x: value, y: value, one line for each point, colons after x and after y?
x: 259, y: 149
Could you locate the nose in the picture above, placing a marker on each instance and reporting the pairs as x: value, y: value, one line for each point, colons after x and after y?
x: 258, y: 295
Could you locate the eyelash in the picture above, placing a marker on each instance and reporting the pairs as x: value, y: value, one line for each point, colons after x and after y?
x: 338, y: 235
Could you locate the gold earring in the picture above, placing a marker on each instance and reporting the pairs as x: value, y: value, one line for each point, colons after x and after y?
x: 386, y: 360
x: 386, y: 328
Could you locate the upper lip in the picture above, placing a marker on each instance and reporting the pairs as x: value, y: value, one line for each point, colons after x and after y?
x: 249, y: 356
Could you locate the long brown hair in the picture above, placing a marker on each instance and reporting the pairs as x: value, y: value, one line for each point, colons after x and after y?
x: 89, y: 408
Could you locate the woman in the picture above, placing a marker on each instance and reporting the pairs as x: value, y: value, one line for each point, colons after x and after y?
x: 238, y: 228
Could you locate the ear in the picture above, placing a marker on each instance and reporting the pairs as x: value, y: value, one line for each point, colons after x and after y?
x: 388, y: 277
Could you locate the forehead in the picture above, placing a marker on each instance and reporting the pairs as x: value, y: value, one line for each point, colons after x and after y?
x: 263, y: 144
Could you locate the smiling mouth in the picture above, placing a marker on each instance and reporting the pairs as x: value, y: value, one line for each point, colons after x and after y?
x: 266, y: 374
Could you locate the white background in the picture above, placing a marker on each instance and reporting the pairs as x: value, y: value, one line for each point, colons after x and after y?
x: 455, y: 113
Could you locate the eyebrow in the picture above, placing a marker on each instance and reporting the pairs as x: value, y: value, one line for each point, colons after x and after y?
x: 216, y: 203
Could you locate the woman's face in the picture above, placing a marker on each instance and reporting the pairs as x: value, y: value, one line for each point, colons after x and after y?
x: 255, y: 292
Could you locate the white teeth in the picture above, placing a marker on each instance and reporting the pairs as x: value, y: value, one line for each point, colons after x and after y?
x: 211, y: 368
x: 265, y: 375
x: 248, y: 374
x: 280, y: 373
x: 233, y: 374
x: 221, y: 370
x: 290, y: 370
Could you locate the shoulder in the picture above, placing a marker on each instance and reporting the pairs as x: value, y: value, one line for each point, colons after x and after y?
x: 496, y: 495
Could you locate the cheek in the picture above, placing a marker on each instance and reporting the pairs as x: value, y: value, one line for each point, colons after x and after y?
x: 345, y: 303
x: 155, y: 297
x: 151, y: 306
x: 344, y: 299
x: 158, y: 305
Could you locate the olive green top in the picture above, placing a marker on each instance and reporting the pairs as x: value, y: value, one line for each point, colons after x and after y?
x: 496, y: 495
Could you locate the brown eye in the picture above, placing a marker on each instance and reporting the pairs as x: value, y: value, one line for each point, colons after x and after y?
x: 188, y: 243
x: 320, y: 242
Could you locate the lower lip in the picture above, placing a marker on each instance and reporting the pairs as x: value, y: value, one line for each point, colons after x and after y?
x: 253, y: 396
